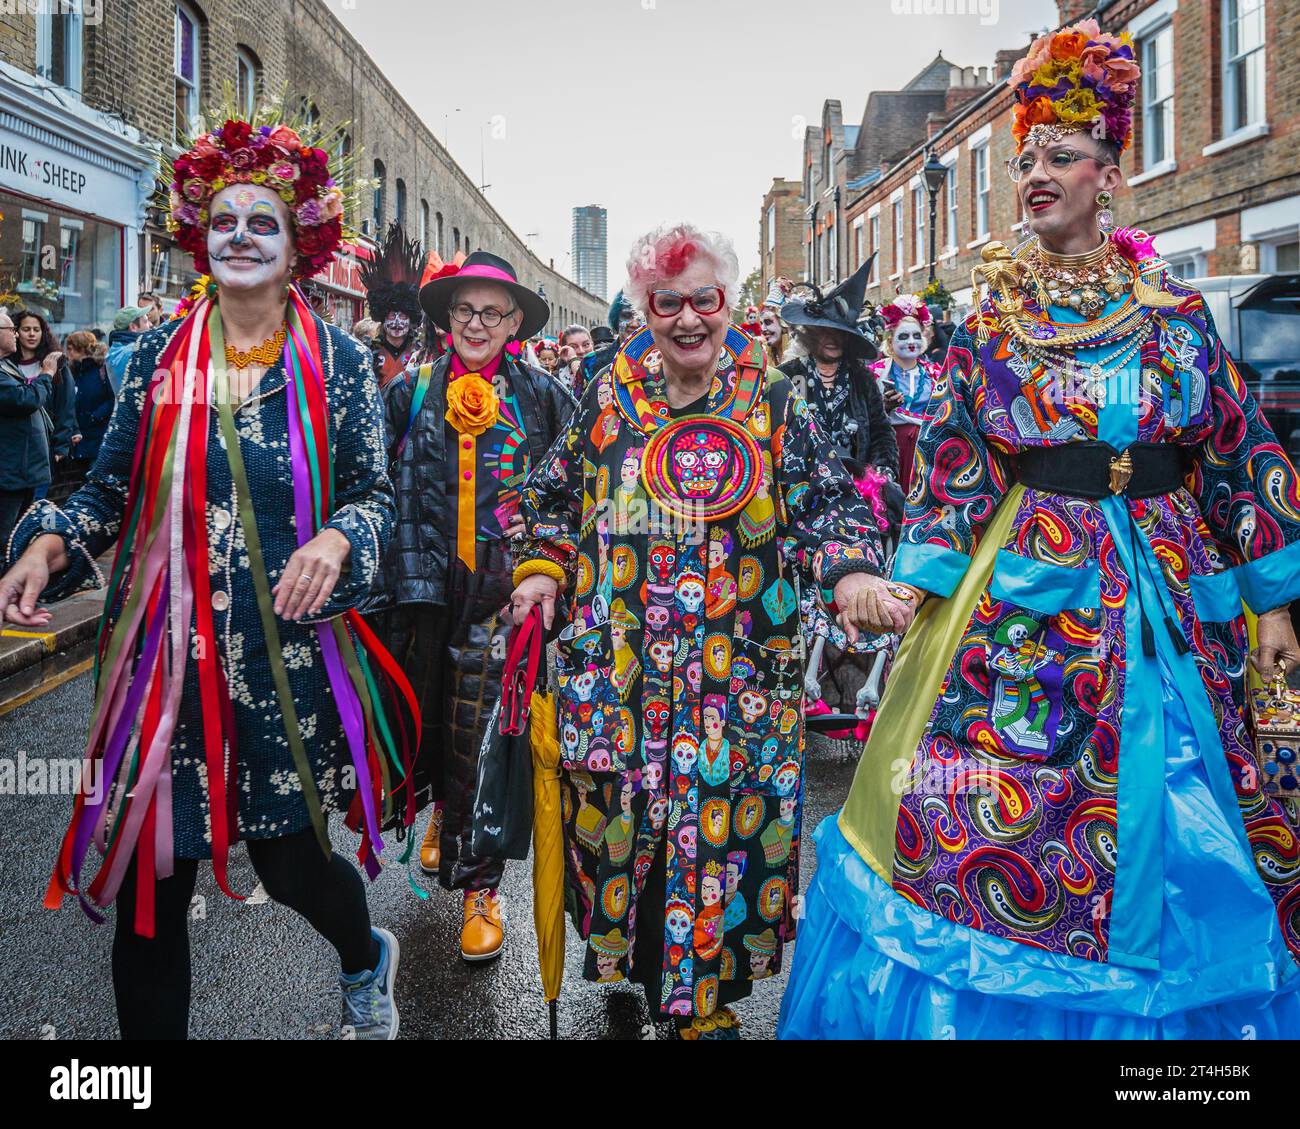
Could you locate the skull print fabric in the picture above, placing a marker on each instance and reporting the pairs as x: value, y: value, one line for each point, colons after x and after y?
x: 680, y: 671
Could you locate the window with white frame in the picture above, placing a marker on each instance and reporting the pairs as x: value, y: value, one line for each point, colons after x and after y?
x: 875, y: 246
x: 771, y: 228
x: 898, y: 236
x: 950, y: 195
x: 981, y: 158
x: 918, y: 225
x: 58, y: 44
x: 1158, y: 97
x: 1286, y: 257
x: 248, y: 78
x: 29, y: 264
x: 70, y: 231
x: 857, y: 242
x: 1243, y: 64
x: 186, y: 70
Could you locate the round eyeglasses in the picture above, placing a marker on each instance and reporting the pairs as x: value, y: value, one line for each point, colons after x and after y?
x: 669, y: 303
x: 463, y: 313
x: 1057, y: 162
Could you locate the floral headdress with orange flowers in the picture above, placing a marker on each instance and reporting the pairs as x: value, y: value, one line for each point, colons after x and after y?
x: 279, y: 150
x: 1077, y: 78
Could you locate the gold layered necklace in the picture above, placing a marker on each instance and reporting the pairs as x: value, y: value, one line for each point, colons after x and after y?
x: 1086, y: 282
x: 264, y: 354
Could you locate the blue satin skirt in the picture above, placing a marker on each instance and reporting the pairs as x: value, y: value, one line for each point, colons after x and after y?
x: 869, y: 964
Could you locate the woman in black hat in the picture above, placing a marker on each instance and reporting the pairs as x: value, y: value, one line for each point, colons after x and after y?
x: 463, y: 432
x: 845, y: 400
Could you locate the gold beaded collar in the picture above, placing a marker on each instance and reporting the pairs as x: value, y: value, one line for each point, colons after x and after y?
x: 265, y: 354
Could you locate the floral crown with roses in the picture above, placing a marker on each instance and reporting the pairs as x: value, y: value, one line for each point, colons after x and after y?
x: 279, y: 149
x: 1077, y: 78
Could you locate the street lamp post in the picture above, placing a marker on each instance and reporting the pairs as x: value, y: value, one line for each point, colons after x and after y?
x: 934, y: 173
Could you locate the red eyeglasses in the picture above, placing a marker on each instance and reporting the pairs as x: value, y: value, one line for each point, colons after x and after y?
x: 668, y: 303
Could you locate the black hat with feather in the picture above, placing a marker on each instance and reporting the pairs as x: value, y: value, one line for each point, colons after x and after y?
x: 392, y: 280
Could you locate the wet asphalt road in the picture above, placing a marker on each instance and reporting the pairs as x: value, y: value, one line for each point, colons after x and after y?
x: 260, y: 972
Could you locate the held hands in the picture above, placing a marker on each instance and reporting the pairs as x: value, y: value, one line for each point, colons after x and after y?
x: 1277, y: 640
x: 866, y: 604
x: 23, y: 584
x: 534, y: 590
x: 310, y: 576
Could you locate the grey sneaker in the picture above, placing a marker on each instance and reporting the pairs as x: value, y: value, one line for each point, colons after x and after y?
x: 369, y: 1009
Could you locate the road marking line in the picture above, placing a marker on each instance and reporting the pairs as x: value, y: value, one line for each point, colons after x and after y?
x: 45, y: 687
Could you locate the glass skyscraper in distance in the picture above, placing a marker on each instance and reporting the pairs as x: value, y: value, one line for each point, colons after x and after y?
x: 590, y: 249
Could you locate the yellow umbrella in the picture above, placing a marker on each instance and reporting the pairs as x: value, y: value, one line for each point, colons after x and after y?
x: 548, y: 849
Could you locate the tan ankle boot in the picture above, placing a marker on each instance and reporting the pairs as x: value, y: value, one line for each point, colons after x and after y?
x: 482, y: 936
x: 431, y: 848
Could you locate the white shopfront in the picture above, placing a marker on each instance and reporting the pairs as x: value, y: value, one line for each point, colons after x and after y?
x: 74, y: 184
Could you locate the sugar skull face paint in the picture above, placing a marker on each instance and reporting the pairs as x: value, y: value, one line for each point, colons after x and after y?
x: 249, y: 238
x: 397, y: 325
x: 908, y: 340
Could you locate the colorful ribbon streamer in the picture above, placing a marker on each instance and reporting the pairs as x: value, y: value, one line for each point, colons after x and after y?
x: 160, y: 583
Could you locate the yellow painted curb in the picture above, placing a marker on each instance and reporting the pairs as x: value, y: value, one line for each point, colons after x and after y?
x: 46, y: 637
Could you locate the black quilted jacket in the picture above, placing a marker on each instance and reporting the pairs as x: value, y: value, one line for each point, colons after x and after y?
x: 415, y: 569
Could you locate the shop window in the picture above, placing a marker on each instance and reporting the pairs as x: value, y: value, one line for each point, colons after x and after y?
x: 64, y: 265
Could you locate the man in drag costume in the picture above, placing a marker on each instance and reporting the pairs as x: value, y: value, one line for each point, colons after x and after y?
x: 239, y: 695
x: 392, y: 281
x: 1059, y: 826
x: 463, y: 432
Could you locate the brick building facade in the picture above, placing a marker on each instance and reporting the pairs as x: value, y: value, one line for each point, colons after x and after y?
x: 1213, y: 173
x: 134, y: 68
x: 780, y: 239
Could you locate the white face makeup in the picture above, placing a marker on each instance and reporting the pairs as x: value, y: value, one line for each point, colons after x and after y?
x: 249, y: 243
x: 771, y: 327
x: 908, y: 340
x: 397, y: 325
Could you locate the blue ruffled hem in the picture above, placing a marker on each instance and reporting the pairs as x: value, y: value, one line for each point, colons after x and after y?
x: 868, y: 964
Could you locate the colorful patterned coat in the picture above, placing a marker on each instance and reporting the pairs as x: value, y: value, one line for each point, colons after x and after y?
x: 680, y: 676
x: 1062, y: 819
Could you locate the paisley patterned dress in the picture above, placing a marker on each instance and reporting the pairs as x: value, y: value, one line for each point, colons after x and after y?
x: 1059, y: 827
x: 680, y: 675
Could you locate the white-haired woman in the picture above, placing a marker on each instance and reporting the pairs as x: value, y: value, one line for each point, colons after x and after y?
x: 677, y: 517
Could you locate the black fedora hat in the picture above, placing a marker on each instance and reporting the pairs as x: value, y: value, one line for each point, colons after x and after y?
x: 482, y: 266
x: 839, y: 309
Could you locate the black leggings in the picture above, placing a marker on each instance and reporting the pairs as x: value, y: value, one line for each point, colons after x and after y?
x: 151, y: 978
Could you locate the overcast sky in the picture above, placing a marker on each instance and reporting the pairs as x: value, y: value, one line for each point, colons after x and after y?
x: 659, y: 110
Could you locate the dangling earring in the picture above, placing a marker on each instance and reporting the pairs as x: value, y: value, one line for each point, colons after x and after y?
x: 1105, y: 217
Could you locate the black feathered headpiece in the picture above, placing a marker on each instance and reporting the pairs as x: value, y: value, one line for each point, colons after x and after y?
x: 392, y: 280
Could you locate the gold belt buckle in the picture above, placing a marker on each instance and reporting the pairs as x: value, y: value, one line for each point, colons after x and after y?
x: 1121, y: 472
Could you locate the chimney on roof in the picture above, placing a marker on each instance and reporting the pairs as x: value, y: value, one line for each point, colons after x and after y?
x: 1072, y: 11
x: 1004, y: 60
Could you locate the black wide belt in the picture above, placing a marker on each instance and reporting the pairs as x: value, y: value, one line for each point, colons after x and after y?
x: 1096, y: 470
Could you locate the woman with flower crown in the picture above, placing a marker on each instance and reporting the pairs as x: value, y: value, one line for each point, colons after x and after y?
x: 1059, y: 827
x: 239, y: 694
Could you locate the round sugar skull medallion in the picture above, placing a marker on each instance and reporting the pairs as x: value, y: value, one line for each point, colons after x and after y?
x: 702, y: 467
